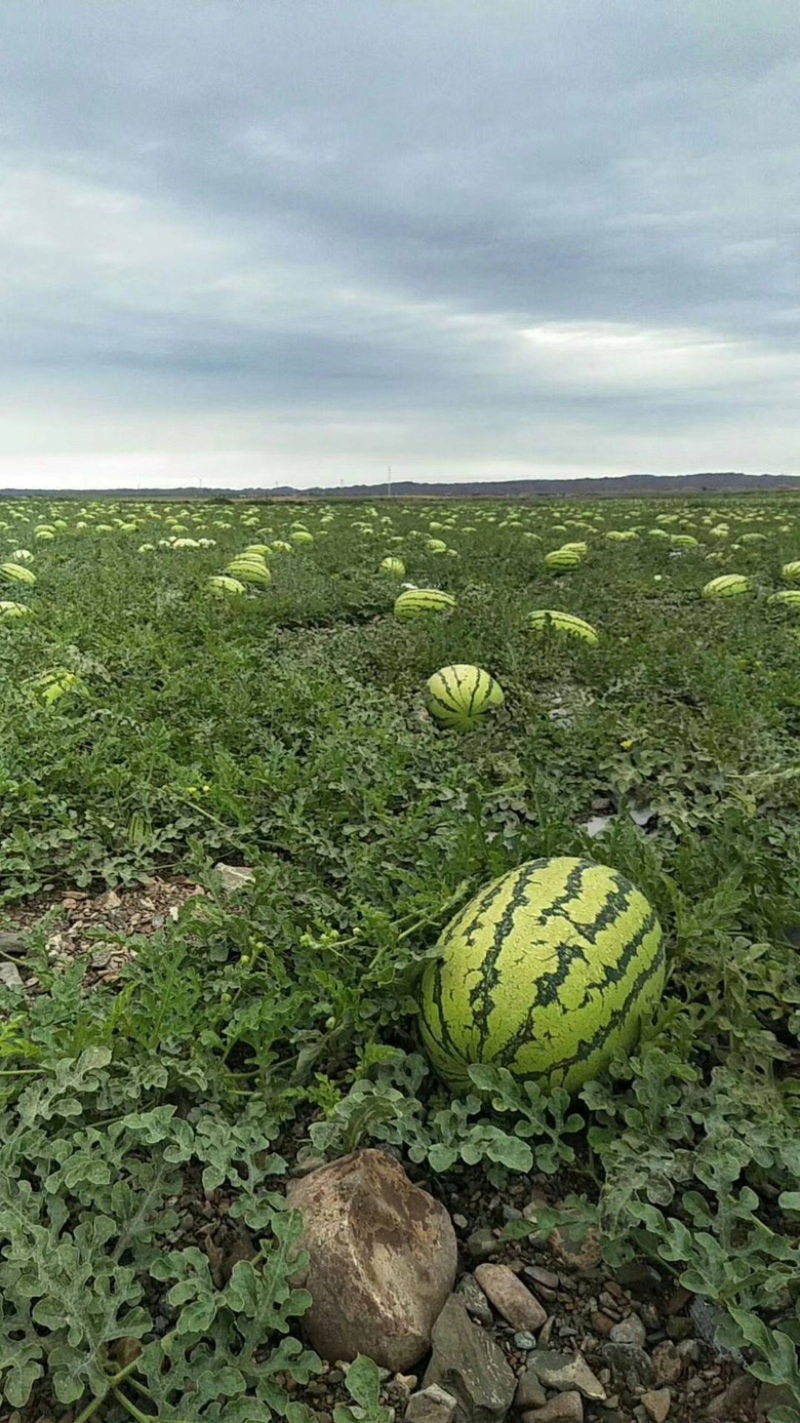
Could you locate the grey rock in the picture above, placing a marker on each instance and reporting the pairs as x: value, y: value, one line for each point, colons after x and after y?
x: 511, y: 1298
x: 530, y: 1392
x: 667, y: 1361
x: 10, y: 976
x: 471, y: 1295
x: 431, y: 1405
x: 566, y: 1372
x: 482, y: 1243
x: 468, y: 1364
x: 690, y: 1350
x: 563, y: 1408
x: 629, y: 1365
x: 657, y: 1403
x: 679, y: 1327
x: 541, y: 1278
x: 234, y: 877
x: 12, y: 943
x: 733, y: 1398
x: 629, y: 1331
x: 524, y: 1341
x: 707, y: 1317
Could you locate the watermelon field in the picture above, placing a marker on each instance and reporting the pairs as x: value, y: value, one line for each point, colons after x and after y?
x: 195, y: 684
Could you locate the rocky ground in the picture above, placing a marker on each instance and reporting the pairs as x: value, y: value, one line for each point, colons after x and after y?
x: 540, y: 1331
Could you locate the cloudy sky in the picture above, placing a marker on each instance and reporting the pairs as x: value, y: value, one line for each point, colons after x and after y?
x: 260, y: 242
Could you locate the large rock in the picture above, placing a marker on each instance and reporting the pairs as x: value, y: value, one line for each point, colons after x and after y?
x: 470, y: 1366
x: 383, y: 1259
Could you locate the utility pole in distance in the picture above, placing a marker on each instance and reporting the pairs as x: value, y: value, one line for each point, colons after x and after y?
x: 388, y: 481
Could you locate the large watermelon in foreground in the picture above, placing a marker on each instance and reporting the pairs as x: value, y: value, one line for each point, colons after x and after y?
x: 548, y: 972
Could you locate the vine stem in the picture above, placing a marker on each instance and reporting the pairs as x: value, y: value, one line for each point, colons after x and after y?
x: 132, y: 1409
x: 113, y: 1383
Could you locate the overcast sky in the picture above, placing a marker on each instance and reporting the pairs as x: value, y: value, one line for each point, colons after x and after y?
x: 296, y: 241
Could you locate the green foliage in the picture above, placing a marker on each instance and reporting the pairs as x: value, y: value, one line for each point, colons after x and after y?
x: 285, y: 729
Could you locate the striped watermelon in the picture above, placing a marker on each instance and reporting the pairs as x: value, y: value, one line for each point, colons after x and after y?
x: 416, y: 602
x: 224, y: 586
x: 543, y: 618
x: 791, y: 571
x: 394, y: 566
x: 460, y: 696
x: 788, y: 597
x: 547, y: 972
x: 562, y: 558
x: 729, y: 585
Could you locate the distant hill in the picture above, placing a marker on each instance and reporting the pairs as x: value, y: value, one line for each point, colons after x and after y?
x: 611, y: 487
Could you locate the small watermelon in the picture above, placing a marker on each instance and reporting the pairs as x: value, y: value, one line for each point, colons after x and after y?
x: 416, y: 602
x: 728, y: 585
x: 225, y: 587
x: 543, y: 618
x: 788, y: 598
x: 393, y: 566
x: 562, y: 558
x: 460, y: 696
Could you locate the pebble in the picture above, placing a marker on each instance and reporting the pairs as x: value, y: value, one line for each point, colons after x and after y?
x: 739, y: 1392
x: 577, y: 1253
x: 678, y: 1300
x: 460, y: 1222
x: 530, y: 1393
x: 431, y: 1405
x: 524, y: 1341
x: 537, y: 1202
x: 602, y: 1324
x: 547, y: 1279
x: 690, y: 1349
x: 406, y: 1381
x: 629, y: 1331
x: 679, y: 1327
x: 520, y: 1308
x: 475, y: 1302
x: 657, y: 1402
x: 563, y: 1408
x: 630, y: 1365
x: 566, y: 1372
x: 667, y: 1363
x: 481, y: 1243
x: 10, y: 976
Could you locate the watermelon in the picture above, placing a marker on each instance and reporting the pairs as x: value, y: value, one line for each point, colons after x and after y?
x: 224, y: 586
x: 729, y: 585
x: 393, y: 566
x: 791, y: 571
x: 543, y: 618
x: 561, y: 558
x: 15, y: 573
x: 788, y: 597
x: 548, y: 972
x: 460, y: 696
x: 416, y: 602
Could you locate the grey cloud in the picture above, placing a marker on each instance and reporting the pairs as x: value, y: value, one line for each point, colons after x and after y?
x: 361, y: 207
